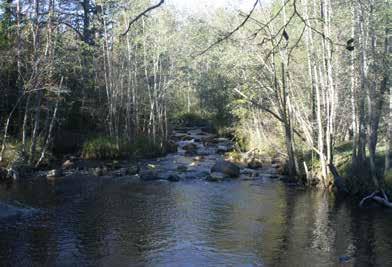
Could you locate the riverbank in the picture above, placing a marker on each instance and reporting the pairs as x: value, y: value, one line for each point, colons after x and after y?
x: 196, y: 153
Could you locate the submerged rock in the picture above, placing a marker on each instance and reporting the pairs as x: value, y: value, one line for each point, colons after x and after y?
x: 99, y: 171
x: 133, y: 169
x: 216, y: 177
x: 225, y: 167
x: 174, y: 178
x: 149, y: 175
x: 7, y: 210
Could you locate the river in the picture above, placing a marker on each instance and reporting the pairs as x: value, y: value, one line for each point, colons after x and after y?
x: 123, y: 221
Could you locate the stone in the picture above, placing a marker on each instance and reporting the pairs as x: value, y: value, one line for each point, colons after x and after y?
x: 199, y: 158
x: 54, y: 173
x: 149, y: 175
x: 133, y: 169
x: 68, y: 164
x: 225, y: 167
x: 216, y: 177
x: 99, y: 171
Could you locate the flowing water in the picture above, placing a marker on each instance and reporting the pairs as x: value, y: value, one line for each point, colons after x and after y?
x: 123, y: 221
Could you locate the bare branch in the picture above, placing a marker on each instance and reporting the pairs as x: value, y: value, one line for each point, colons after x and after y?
x: 141, y: 15
x: 227, y: 36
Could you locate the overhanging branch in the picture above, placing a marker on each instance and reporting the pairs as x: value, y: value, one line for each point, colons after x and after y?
x: 141, y: 15
x: 227, y: 36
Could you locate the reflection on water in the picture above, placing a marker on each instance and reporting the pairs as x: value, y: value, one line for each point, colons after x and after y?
x: 116, y: 222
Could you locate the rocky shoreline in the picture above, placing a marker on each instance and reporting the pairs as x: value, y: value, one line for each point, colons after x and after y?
x: 200, y: 155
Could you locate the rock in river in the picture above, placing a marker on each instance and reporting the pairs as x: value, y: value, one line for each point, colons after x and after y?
x: 54, y: 173
x: 149, y: 175
x: 216, y: 177
x: 225, y: 167
x: 68, y: 164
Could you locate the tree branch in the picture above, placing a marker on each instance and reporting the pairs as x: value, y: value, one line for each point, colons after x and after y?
x: 227, y: 36
x: 141, y: 15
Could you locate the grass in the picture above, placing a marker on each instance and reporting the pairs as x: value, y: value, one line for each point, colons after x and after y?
x: 358, y: 179
x: 103, y: 148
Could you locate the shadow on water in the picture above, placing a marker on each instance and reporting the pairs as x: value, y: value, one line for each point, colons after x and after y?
x: 104, y: 221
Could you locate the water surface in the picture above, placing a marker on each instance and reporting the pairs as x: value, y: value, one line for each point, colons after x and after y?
x: 96, y: 221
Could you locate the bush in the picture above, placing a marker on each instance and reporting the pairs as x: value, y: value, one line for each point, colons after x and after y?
x: 191, y: 119
x: 100, y: 148
x: 144, y: 147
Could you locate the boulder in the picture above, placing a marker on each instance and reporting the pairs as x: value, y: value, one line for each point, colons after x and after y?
x: 54, y: 173
x: 133, y: 169
x: 68, y: 164
x: 225, y: 167
x: 99, y: 171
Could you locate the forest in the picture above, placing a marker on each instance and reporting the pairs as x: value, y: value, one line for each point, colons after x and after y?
x: 303, y: 81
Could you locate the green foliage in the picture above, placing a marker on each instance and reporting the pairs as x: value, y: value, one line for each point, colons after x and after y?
x: 101, y: 148
x: 144, y: 147
x: 191, y: 119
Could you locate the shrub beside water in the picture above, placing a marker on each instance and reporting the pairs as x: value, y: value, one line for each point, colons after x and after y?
x: 101, y: 148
